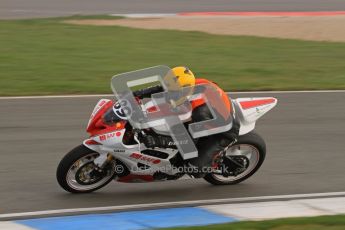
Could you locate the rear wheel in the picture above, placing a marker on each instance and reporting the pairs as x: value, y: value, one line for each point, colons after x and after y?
x: 240, y: 161
x: 77, y: 172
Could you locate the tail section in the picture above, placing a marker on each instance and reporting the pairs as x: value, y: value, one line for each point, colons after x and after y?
x: 249, y: 110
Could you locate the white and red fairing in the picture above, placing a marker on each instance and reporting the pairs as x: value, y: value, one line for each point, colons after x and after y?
x: 102, y: 134
x: 108, y: 138
x: 249, y: 110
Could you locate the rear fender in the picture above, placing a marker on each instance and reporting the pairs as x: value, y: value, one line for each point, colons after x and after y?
x: 249, y: 110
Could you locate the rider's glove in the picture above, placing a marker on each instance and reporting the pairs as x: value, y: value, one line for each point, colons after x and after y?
x: 147, y: 92
x: 158, y: 141
x: 149, y: 141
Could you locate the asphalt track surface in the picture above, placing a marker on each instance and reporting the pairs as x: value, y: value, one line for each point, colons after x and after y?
x: 52, y: 8
x: 304, y: 135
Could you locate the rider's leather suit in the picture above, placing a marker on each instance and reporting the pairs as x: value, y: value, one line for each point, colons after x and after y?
x: 200, y: 113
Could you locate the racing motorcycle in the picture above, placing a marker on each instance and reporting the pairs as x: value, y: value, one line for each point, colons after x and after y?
x: 114, y: 152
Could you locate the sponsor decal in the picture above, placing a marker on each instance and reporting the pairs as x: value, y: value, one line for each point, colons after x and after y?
x: 119, y: 150
x: 183, y: 142
x: 142, y: 157
x: 107, y: 136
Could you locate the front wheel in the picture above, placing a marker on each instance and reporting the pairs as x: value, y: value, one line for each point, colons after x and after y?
x: 241, y: 160
x: 76, y: 172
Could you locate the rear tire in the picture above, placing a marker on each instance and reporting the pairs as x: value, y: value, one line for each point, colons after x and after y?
x: 65, y: 177
x: 252, y: 141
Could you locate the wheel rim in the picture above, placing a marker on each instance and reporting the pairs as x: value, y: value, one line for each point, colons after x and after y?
x: 249, y: 151
x: 78, y: 166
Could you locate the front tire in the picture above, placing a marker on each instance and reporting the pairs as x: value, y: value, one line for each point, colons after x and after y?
x: 250, y: 145
x: 72, y: 171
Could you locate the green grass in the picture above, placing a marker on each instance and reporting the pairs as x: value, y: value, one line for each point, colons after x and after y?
x: 45, y: 56
x: 310, y: 223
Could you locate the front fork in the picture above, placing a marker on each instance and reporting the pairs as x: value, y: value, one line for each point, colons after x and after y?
x: 102, y: 161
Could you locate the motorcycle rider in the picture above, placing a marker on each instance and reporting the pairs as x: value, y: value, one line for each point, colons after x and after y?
x: 207, y: 146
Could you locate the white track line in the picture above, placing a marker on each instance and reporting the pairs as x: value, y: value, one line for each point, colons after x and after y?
x: 110, y: 95
x: 280, y: 209
x: 7, y: 225
x: 167, y: 204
